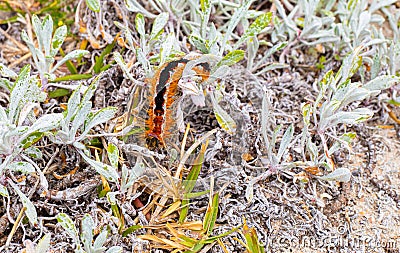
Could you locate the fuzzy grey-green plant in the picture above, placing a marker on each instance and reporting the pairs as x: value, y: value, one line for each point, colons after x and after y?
x: 337, y: 91
x: 19, y: 128
x: 48, y: 46
x: 342, y: 25
x: 42, y: 246
x: 86, y: 236
x: 78, y: 120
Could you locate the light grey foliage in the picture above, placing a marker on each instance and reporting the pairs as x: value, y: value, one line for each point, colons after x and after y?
x: 79, y: 118
x: 42, y: 246
x: 147, y: 42
x: 109, y: 172
x: 128, y: 175
x: 18, y: 124
x: 48, y: 46
x: 329, y: 110
x: 337, y: 92
x: 66, y: 222
x: 3, y: 191
x: 30, y: 208
x: 340, y: 91
x: 8, y: 73
x: 87, y: 227
x: 339, y: 175
x: 90, y: 245
x: 274, y: 159
x: 94, y: 5
x: 131, y: 175
x: 349, y: 25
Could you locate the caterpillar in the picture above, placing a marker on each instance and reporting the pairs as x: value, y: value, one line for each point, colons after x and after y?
x: 163, y: 94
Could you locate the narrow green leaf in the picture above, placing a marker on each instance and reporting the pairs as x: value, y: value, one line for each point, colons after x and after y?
x: 31, y: 139
x: 231, y: 58
x: 184, y: 209
x: 131, y: 229
x: 60, y: 92
x: 196, y: 194
x: 94, y: 5
x: 214, y: 238
x: 199, y: 43
x: 72, y: 77
x: 190, y: 181
x: 100, y: 59
x: 211, y: 215
x: 111, y: 198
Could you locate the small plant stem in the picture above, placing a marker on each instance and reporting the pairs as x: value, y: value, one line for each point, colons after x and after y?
x: 393, y: 116
x: 184, y: 140
x: 23, y: 58
x: 190, y: 151
x: 330, y: 161
x: 14, y: 228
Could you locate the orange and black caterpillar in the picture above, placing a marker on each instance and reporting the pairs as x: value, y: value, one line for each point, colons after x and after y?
x: 163, y: 93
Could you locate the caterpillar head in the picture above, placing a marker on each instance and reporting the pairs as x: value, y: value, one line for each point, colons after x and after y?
x: 154, y: 142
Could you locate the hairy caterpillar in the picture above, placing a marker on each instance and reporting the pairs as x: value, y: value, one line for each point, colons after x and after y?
x: 163, y: 93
